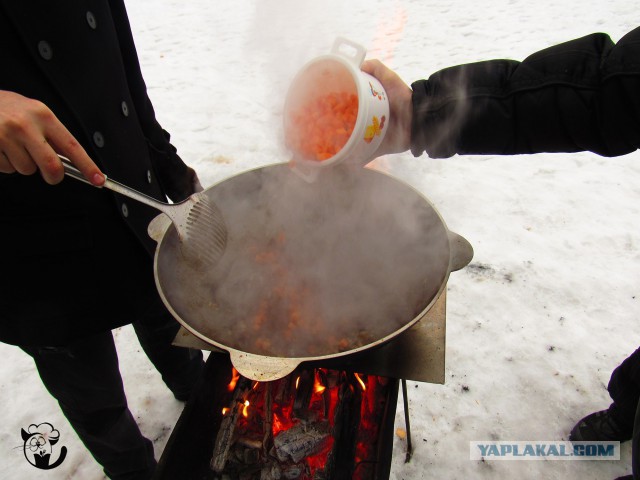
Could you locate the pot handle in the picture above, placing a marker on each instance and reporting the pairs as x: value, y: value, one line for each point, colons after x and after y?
x: 261, y: 368
x: 351, y: 51
x: 461, y: 251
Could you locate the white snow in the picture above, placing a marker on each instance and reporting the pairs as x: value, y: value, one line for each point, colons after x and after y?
x: 535, y: 324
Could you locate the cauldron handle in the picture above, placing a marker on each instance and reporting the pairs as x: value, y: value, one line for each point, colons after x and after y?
x: 461, y: 251
x: 158, y: 226
x: 262, y: 368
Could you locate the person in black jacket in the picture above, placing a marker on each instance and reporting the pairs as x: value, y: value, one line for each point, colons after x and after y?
x: 77, y: 260
x: 581, y: 95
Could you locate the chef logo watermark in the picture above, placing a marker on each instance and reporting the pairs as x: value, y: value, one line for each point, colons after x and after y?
x: 544, y: 450
x: 39, y: 441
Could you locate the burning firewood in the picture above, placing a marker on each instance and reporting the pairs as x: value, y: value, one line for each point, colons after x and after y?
x: 224, y: 439
x: 268, y: 418
x: 306, y: 426
x: 301, y: 441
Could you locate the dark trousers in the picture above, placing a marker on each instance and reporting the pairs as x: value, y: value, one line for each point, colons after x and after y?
x: 85, y: 379
x: 624, y: 388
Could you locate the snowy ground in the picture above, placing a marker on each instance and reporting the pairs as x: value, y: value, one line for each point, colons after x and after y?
x: 535, y: 324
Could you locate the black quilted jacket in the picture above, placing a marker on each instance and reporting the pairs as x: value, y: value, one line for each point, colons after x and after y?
x: 582, y: 95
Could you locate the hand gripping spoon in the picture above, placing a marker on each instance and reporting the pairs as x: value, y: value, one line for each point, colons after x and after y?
x: 198, y: 221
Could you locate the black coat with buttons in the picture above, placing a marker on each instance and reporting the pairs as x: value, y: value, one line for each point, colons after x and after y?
x: 74, y: 259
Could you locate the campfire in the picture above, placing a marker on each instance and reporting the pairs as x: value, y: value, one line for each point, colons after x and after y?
x: 328, y: 419
x: 312, y: 424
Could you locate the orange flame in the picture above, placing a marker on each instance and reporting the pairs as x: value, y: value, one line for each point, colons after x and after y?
x: 225, y: 410
x: 318, y: 387
x: 235, y: 376
x: 245, y: 409
x: 360, y: 382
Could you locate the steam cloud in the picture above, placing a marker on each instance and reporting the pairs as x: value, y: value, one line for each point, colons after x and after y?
x: 310, y: 269
x: 313, y: 269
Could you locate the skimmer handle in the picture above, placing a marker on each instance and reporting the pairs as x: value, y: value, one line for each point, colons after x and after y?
x: 71, y: 171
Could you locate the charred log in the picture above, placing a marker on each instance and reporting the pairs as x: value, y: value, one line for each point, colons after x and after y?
x: 341, y: 460
x: 303, y: 393
x: 224, y: 438
x: 267, y: 439
x: 301, y: 441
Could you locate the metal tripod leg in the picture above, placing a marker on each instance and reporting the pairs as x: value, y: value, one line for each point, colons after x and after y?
x: 407, y: 423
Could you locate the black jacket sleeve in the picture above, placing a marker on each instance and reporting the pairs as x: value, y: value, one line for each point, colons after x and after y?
x: 582, y: 95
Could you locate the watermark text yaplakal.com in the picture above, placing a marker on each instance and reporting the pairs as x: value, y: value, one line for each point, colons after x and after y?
x: 544, y: 450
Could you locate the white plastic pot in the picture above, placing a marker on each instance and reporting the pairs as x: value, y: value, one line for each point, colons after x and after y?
x: 338, y: 72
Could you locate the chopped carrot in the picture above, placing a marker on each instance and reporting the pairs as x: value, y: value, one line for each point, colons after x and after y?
x: 320, y: 129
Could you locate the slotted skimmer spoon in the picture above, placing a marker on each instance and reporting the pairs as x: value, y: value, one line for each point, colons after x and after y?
x: 198, y: 221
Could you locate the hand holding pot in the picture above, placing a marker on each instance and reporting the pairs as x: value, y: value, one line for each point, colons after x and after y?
x: 398, y: 136
x: 30, y: 137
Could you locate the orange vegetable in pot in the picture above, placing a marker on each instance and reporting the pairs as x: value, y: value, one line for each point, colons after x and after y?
x: 321, y: 128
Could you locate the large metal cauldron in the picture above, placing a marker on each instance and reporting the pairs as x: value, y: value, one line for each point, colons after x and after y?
x: 311, y: 271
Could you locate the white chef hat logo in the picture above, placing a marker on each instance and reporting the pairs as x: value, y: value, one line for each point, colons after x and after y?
x: 38, y: 445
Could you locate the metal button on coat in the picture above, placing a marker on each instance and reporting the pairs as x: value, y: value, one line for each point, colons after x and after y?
x: 125, y: 109
x: 125, y: 210
x: 98, y: 139
x: 45, y: 50
x: 91, y: 20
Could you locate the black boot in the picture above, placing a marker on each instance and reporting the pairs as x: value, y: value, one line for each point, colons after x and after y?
x: 601, y: 426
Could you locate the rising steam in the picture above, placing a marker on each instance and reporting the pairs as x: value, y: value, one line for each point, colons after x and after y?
x: 313, y: 269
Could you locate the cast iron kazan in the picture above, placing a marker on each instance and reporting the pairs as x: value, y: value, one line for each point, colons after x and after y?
x: 310, y: 271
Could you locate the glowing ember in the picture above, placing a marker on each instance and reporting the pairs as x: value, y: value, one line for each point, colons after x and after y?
x: 319, y: 388
x: 245, y: 410
x: 277, y: 424
x: 360, y: 382
x: 282, y: 421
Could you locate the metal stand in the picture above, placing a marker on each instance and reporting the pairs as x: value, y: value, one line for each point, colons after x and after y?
x: 407, y: 423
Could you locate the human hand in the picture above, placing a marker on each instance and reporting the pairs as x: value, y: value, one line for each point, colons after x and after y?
x: 31, y: 137
x: 398, y: 136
